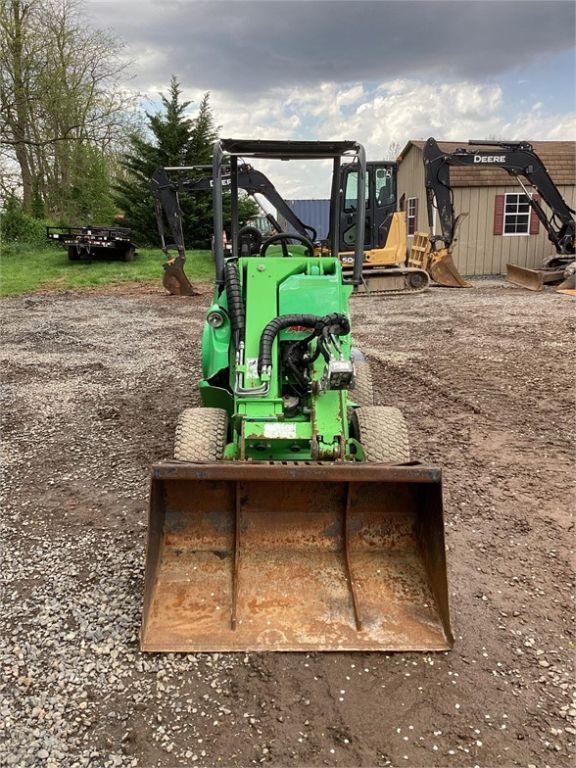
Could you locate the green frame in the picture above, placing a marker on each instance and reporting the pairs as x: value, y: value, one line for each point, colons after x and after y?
x: 272, y: 286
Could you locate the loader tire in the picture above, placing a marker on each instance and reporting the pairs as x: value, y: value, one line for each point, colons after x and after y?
x: 363, y: 392
x: 383, y: 434
x: 201, y: 434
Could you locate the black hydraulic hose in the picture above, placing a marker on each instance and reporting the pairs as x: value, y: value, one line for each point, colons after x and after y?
x: 336, y: 323
x: 235, y: 301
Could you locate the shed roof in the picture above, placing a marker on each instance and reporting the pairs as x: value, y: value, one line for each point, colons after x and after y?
x: 559, y: 157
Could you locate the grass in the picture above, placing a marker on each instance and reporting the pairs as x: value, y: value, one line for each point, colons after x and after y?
x: 27, y: 268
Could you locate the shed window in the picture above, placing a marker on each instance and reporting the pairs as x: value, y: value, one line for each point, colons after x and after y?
x: 516, y: 214
x: 412, y: 214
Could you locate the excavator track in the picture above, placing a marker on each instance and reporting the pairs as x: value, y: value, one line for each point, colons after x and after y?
x: 396, y: 281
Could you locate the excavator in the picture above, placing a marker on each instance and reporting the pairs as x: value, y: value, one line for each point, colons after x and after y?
x: 167, y: 207
x: 519, y: 160
x: 385, y: 270
x: 293, y: 516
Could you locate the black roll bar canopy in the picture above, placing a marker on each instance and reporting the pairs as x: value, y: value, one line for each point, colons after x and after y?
x: 288, y: 150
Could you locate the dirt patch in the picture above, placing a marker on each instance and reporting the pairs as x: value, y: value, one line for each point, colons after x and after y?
x: 93, y: 384
x: 123, y: 288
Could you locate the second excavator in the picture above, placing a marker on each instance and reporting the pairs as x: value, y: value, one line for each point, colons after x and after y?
x: 519, y: 160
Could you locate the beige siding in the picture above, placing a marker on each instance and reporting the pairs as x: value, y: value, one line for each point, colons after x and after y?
x: 478, y: 251
x: 411, y: 183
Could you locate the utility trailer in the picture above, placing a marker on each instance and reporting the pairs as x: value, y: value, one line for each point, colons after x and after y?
x: 87, y: 243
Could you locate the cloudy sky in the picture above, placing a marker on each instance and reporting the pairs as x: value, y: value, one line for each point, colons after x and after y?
x: 379, y: 72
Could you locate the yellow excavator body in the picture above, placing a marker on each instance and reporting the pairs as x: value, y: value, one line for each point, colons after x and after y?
x: 394, y: 252
x: 385, y: 270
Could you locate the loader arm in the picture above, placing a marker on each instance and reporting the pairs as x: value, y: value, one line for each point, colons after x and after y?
x: 516, y: 158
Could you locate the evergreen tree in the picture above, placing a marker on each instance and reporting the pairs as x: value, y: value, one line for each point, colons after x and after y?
x: 197, y: 206
x: 174, y: 139
x: 170, y: 133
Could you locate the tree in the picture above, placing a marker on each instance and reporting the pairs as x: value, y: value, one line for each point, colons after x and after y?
x: 394, y: 149
x: 58, y: 90
x: 198, y: 210
x: 89, y: 195
x: 171, y: 138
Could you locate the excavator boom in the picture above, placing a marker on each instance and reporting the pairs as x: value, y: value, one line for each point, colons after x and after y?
x: 167, y: 209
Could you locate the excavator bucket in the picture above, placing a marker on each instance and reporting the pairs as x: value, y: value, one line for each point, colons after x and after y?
x: 295, y: 557
x: 443, y: 270
x: 175, y: 280
x: 439, y: 264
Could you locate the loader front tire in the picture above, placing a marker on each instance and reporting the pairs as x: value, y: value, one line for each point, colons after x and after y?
x: 201, y: 434
x: 363, y: 392
x: 383, y: 434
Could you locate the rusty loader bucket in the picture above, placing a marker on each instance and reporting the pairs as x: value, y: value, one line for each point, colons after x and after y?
x: 295, y: 557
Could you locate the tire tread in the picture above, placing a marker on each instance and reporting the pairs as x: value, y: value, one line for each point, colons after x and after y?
x: 383, y: 434
x: 201, y: 434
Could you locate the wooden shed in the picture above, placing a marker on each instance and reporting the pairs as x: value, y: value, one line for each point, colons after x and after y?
x: 500, y: 226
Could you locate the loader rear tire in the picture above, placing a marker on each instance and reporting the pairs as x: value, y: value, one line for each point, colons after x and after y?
x: 201, y: 434
x: 363, y: 392
x: 383, y: 434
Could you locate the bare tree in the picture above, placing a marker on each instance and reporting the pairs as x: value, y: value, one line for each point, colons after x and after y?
x: 394, y: 149
x: 59, y: 88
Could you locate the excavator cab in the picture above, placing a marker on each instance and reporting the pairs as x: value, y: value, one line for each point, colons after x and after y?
x: 380, y: 205
x: 385, y: 268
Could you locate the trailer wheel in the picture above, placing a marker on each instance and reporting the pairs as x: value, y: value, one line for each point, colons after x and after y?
x: 129, y: 254
x: 201, y: 434
x: 383, y: 434
x: 73, y: 254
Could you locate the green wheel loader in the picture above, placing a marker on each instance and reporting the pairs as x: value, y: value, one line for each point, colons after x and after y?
x: 292, y: 517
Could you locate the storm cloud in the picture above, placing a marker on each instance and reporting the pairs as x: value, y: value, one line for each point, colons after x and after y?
x: 253, y: 46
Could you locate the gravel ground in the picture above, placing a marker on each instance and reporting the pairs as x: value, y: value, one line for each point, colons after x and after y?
x: 92, y: 387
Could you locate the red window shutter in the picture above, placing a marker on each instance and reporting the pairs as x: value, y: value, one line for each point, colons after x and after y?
x: 534, y: 220
x: 499, y: 214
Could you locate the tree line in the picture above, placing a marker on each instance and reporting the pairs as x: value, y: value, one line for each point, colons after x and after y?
x: 74, y: 148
